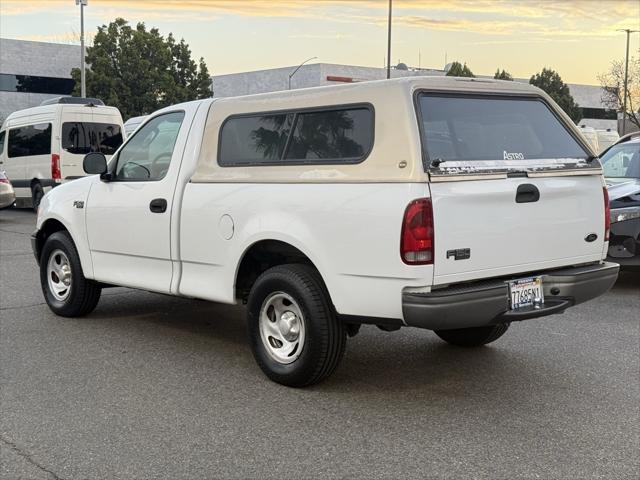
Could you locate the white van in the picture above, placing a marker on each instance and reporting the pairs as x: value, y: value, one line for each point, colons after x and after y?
x: 44, y: 146
x: 132, y: 124
x: 591, y: 135
x: 606, y: 138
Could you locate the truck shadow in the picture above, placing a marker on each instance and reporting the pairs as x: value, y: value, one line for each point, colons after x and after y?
x: 408, y: 362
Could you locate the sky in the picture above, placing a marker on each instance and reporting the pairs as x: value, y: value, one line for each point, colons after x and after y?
x: 578, y: 38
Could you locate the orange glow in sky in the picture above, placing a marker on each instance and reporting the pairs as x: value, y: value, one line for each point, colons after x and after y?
x: 578, y: 38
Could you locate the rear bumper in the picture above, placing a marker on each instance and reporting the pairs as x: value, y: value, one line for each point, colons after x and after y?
x: 487, y: 303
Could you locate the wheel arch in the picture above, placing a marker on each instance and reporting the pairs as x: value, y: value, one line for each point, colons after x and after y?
x: 263, y: 254
x: 48, y: 228
x: 55, y: 224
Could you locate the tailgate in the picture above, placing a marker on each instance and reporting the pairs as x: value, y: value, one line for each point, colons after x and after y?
x: 513, y: 185
x: 505, y: 236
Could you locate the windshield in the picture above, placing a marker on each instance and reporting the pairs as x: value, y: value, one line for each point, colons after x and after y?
x: 470, y: 127
x: 622, y: 160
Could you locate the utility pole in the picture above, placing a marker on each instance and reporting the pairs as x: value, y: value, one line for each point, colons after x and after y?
x: 626, y: 80
x: 389, y: 40
x: 83, y: 78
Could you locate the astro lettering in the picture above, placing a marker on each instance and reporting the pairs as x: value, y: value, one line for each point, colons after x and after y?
x: 513, y: 155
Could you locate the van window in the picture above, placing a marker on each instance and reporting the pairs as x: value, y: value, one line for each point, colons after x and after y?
x: 468, y: 127
x: 2, y: 135
x: 336, y: 135
x: 29, y: 140
x: 147, y: 155
x: 81, y: 138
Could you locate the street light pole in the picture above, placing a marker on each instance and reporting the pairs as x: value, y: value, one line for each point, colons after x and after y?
x: 389, y: 40
x: 298, y: 68
x: 83, y: 83
x: 626, y: 80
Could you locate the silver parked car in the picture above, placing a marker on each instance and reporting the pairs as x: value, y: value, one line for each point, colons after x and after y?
x: 7, y: 195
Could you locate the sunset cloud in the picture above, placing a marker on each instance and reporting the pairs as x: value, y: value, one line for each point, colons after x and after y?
x: 553, y: 32
x: 576, y: 9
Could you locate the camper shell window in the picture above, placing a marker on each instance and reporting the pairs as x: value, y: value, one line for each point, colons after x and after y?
x: 490, y: 127
x: 331, y: 135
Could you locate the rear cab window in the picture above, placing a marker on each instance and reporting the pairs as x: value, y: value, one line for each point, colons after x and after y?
x: 493, y: 129
x: 342, y: 135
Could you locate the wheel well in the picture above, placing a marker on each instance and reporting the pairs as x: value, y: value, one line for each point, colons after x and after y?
x: 48, y: 228
x: 262, y: 256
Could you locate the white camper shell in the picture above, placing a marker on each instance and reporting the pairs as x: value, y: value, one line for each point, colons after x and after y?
x: 44, y: 146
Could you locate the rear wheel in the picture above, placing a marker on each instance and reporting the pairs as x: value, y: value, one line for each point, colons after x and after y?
x: 294, y: 333
x: 36, y: 196
x: 473, y: 337
x: 65, y: 289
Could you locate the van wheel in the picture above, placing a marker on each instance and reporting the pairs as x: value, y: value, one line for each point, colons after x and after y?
x: 473, y: 337
x: 36, y: 196
x: 295, y: 335
x: 65, y: 289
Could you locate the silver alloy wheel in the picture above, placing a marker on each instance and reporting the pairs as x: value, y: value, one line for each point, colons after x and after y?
x: 59, y: 275
x: 282, y: 327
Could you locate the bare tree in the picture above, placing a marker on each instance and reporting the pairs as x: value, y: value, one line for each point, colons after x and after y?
x: 612, y: 83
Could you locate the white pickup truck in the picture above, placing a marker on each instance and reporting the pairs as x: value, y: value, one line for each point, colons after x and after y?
x: 455, y: 205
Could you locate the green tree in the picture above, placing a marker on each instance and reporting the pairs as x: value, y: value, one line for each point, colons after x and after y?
x: 551, y: 82
x: 459, y: 70
x: 502, y: 75
x: 139, y: 71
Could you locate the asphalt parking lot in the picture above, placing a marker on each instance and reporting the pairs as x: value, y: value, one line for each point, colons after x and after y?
x: 151, y: 386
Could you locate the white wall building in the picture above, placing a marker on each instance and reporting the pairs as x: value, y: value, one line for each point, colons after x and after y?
x: 31, y: 72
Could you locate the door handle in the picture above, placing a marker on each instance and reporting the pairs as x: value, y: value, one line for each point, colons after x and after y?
x: 527, y: 193
x: 158, y: 205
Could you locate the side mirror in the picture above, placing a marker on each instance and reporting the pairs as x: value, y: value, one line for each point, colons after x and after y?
x: 94, y: 163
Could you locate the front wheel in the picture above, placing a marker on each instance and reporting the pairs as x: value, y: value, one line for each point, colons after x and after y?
x: 295, y: 335
x: 473, y: 337
x: 65, y: 289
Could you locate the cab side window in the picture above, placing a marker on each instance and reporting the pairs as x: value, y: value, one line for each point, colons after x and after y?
x: 147, y: 156
x: 2, y: 135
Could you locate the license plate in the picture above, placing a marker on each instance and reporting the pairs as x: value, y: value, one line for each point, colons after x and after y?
x: 526, y: 292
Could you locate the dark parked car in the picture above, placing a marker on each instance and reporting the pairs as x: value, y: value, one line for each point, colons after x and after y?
x: 621, y: 163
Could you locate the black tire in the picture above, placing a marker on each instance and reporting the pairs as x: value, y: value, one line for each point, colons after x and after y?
x: 83, y: 295
x: 36, y: 196
x: 473, y: 337
x: 324, y: 335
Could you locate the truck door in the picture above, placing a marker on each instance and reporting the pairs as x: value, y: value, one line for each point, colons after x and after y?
x: 129, y: 218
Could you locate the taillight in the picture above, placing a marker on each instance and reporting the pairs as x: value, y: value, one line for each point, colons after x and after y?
x: 416, y: 239
x: 4, y: 180
x: 55, y: 167
x: 607, y: 213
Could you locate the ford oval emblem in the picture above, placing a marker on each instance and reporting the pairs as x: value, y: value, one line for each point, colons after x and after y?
x: 591, y: 237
